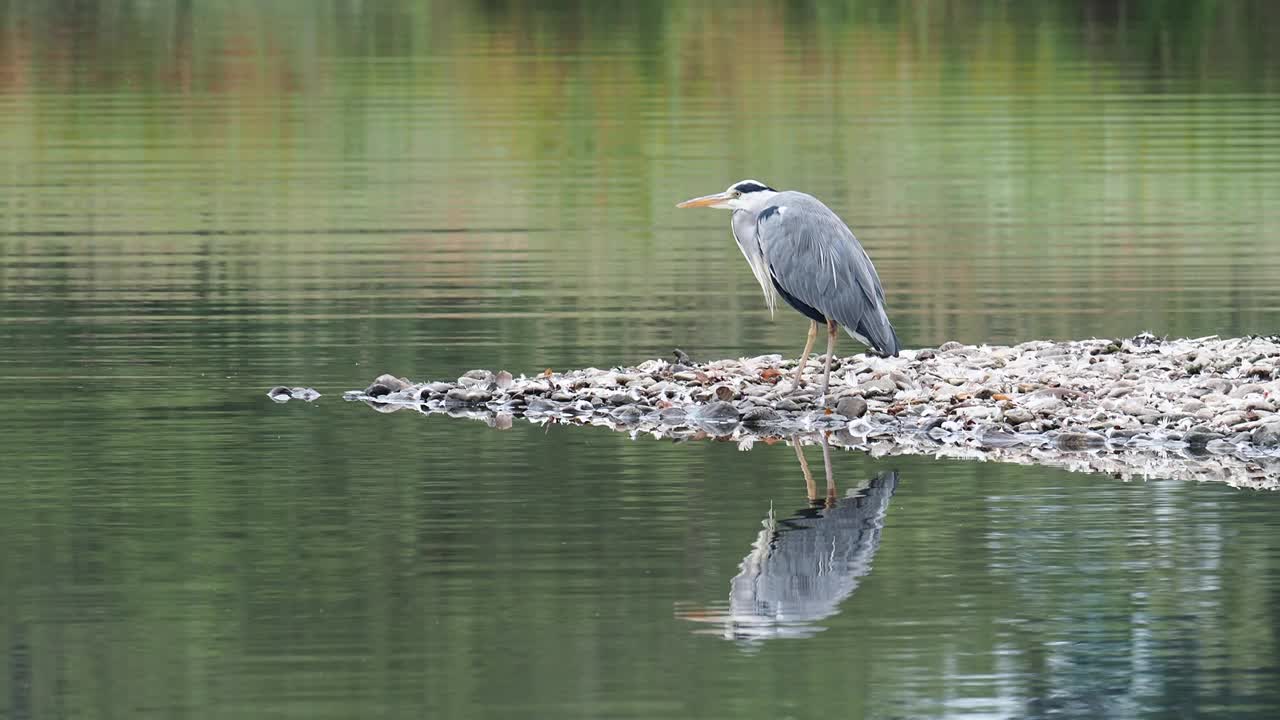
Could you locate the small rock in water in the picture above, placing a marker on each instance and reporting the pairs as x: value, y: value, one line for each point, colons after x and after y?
x: 672, y: 416
x: 851, y: 407
x: 475, y: 378
x: 760, y: 416
x: 627, y: 414
x: 541, y: 406
x: 1267, y: 434
x: 1200, y: 438
x: 878, y: 387
x: 1017, y: 416
x: 719, y: 412
x: 385, y: 385
x: 581, y: 407
x: 1080, y: 441
x: 282, y: 394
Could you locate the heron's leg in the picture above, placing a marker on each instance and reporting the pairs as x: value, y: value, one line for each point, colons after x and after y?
x: 809, y: 487
x: 826, y: 463
x: 832, y: 329
x: 808, y: 347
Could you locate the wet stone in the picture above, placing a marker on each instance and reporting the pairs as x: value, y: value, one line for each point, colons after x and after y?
x: 627, y: 414
x: 672, y: 415
x: 541, y: 406
x: 760, y: 416
x: 1200, y: 438
x: 476, y: 378
x: 1267, y: 434
x: 851, y: 407
x: 716, y: 412
x: 878, y: 387
x: 385, y: 385
x: 1018, y: 416
x: 1080, y: 441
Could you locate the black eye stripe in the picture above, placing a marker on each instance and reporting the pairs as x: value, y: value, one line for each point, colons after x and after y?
x: 750, y: 187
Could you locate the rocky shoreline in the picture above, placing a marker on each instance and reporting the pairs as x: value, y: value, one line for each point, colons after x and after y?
x: 1144, y: 406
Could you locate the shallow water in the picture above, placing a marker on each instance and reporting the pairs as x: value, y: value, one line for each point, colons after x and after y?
x: 202, y: 201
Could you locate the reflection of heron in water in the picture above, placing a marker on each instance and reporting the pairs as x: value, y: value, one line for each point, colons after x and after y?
x: 802, y: 567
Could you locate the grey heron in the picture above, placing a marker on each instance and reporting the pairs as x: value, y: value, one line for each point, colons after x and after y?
x: 799, y: 249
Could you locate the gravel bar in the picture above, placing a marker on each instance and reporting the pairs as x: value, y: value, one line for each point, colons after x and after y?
x: 1203, y: 409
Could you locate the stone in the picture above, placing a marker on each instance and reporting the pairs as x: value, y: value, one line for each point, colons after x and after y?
x: 1080, y: 441
x: 851, y: 407
x: 878, y: 387
x: 719, y: 411
x: 760, y: 416
x: 476, y: 378
x: 626, y: 414
x: 541, y: 406
x: 1247, y: 389
x: 672, y: 416
x: 1200, y: 438
x: 1266, y: 435
x: 1017, y: 416
x: 385, y: 385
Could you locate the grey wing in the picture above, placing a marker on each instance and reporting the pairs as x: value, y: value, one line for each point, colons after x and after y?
x: 814, y: 257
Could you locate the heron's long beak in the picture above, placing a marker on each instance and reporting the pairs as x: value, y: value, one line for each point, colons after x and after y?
x: 706, y: 200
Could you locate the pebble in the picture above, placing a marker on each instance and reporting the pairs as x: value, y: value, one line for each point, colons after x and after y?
x: 761, y: 416
x: 718, y: 412
x: 1266, y: 434
x: 476, y: 378
x: 1017, y: 416
x: 851, y: 407
x: 878, y: 386
x: 282, y: 394
x: 385, y: 385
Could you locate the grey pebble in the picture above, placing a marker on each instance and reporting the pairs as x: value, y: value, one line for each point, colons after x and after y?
x: 1017, y: 416
x: 760, y: 416
x: 878, y: 387
x: 718, y: 411
x: 1080, y: 441
x: 851, y: 407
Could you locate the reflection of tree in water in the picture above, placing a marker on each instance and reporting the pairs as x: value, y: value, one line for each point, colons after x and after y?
x: 802, y: 567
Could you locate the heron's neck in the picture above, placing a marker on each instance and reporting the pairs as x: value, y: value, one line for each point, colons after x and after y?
x: 760, y: 201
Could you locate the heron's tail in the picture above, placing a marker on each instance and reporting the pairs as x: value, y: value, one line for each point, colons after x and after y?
x: 875, y: 331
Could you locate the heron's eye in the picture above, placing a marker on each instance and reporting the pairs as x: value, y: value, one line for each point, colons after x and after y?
x: 737, y: 193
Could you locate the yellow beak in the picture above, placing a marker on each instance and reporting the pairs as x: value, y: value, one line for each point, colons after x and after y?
x: 705, y: 200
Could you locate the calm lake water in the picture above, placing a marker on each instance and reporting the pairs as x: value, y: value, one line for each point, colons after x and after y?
x: 202, y: 200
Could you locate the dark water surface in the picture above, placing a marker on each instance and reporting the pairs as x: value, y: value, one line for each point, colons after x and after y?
x: 204, y: 200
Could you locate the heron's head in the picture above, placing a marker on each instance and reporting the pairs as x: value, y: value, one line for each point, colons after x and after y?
x: 751, y: 195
